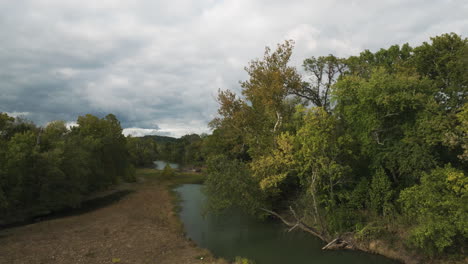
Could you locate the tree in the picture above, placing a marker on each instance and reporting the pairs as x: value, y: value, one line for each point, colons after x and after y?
x: 270, y: 81
x: 52, y: 135
x: 273, y: 169
x: 324, y: 73
x: 142, y: 151
x: 445, y: 61
x: 438, y: 210
x: 457, y: 137
x: 255, y: 121
x: 230, y: 184
x: 20, y: 183
x: 5, y: 123
x: 380, y: 194
x: 109, y: 158
x: 321, y: 159
x: 392, y: 60
x: 386, y: 114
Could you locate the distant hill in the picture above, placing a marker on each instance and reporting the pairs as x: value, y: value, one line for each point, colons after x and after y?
x: 161, y: 139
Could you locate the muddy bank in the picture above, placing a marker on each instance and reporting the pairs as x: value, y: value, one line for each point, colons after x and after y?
x: 400, y: 253
x: 393, y: 250
x: 382, y: 248
x: 140, y: 227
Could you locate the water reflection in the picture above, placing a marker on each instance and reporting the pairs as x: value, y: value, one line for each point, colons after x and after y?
x: 265, y: 242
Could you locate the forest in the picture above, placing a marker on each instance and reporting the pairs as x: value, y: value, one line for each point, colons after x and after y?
x: 45, y: 169
x: 373, y: 145
x: 186, y: 150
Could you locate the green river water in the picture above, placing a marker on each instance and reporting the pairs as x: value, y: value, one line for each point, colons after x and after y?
x: 266, y: 242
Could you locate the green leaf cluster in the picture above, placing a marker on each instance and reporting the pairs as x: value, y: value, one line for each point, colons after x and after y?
x: 438, y: 208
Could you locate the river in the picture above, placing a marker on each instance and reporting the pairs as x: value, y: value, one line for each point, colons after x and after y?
x: 266, y: 242
x: 160, y: 164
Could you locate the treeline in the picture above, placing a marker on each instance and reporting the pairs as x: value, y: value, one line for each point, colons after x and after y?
x: 186, y: 150
x: 43, y: 169
x: 143, y: 151
x: 374, y: 144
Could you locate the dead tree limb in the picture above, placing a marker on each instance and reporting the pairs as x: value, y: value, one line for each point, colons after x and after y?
x: 329, y: 244
x: 279, y: 216
x: 298, y: 223
x: 337, y: 243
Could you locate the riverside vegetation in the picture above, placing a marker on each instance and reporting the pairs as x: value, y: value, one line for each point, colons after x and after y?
x: 366, y: 148
x: 370, y: 147
x: 46, y: 169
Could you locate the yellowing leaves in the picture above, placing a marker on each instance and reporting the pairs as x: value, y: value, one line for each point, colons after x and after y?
x: 272, y: 169
x: 458, y: 182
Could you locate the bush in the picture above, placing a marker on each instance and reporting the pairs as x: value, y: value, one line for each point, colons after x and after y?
x: 370, y: 231
x: 438, y: 208
x: 167, y: 172
x: 380, y: 194
x: 342, y: 218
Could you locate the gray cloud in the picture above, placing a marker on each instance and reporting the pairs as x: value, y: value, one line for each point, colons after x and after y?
x: 158, y: 64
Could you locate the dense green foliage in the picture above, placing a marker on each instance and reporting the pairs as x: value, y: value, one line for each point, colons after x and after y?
x: 233, y: 186
x: 46, y: 169
x: 160, y: 139
x: 439, y: 206
x: 143, y: 151
x: 184, y: 150
x: 370, y: 142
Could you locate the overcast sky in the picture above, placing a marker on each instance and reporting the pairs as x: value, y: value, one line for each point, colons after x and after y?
x: 157, y: 65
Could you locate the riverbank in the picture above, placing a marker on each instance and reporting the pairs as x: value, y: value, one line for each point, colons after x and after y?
x: 401, y: 253
x: 140, y: 227
x: 389, y: 244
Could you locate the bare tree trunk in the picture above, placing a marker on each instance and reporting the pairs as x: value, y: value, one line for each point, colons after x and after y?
x: 312, y: 192
x: 38, y: 139
x: 279, y: 120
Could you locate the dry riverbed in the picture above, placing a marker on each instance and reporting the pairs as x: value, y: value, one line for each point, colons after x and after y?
x: 141, y: 227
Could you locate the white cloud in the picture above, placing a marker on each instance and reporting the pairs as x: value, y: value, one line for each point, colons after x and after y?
x: 66, y: 73
x: 304, y: 34
x: 69, y: 125
x: 139, y: 132
x: 158, y: 64
x: 17, y: 114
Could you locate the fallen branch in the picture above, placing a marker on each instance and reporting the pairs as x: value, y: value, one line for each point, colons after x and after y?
x: 298, y: 223
x: 279, y: 216
x: 329, y: 244
x: 337, y: 243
